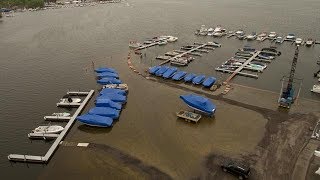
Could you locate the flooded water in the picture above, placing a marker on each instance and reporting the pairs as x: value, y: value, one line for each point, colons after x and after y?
x: 45, y: 53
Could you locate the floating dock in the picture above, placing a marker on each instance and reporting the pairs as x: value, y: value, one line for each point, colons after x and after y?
x: 237, y: 71
x: 240, y: 73
x: 63, y: 104
x: 42, y: 136
x: 55, y: 145
x: 179, y: 55
x: 77, y: 93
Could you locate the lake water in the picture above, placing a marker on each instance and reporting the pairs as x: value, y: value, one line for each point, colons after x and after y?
x: 45, y: 53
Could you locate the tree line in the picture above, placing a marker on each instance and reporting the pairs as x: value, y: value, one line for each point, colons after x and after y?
x: 21, y: 3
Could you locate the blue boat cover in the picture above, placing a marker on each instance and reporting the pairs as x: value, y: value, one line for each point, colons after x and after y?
x: 105, y: 69
x: 189, y: 77
x: 113, y: 91
x: 169, y: 73
x: 162, y: 70
x: 154, y: 69
x: 108, y: 74
x: 179, y: 75
x: 95, y: 120
x: 114, y: 97
x: 198, y: 79
x: 105, y: 111
x: 105, y: 81
x: 209, y: 82
x: 199, y: 103
x: 105, y: 102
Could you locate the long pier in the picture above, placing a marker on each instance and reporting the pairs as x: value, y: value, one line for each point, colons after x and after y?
x: 182, y: 54
x: 55, y: 145
x: 242, y: 66
x: 240, y: 73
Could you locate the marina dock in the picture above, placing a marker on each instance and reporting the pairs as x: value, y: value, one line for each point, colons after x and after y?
x: 179, y: 55
x: 56, y: 118
x: 59, y: 138
x: 237, y: 71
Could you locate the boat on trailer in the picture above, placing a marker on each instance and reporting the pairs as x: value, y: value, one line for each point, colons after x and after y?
x: 189, y: 116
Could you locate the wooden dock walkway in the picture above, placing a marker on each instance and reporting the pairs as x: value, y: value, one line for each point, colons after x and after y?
x: 242, y: 66
x: 55, y: 145
x: 56, y: 118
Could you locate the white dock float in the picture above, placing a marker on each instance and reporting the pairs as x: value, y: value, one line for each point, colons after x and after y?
x: 42, y: 136
x: 56, y: 118
x: 77, y: 93
x: 62, y: 104
x: 48, y: 155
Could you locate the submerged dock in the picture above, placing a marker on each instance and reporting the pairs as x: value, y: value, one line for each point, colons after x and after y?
x: 59, y: 138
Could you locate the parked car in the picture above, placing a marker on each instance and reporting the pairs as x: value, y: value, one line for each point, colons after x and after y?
x: 236, y: 169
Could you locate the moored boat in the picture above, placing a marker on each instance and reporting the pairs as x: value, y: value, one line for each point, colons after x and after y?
x: 272, y: 35
x: 95, y: 120
x: 298, y: 41
x: 106, y: 102
x: 198, y: 79
x: 53, y: 129
x: 154, y: 69
x: 316, y: 88
x: 179, y: 75
x: 162, y: 70
x: 189, y: 77
x: 199, y: 103
x: 63, y: 114
x: 169, y: 73
x: 209, y: 82
x: 113, y: 91
x: 105, y: 81
x: 105, y: 111
x: 116, y: 86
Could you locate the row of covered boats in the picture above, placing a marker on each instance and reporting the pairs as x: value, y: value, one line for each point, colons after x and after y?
x: 219, y: 31
x: 173, y: 73
x: 109, y: 102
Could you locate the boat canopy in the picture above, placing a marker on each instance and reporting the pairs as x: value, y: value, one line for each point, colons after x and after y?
x: 198, y: 79
x: 105, y: 102
x: 189, y: 77
x: 105, y: 69
x: 105, y: 111
x: 199, y: 103
x: 162, y: 70
x: 113, y: 91
x: 179, y: 75
x: 95, y: 120
x: 154, y: 69
x: 169, y: 72
x: 105, y: 81
x: 209, y: 82
x: 108, y: 74
x: 113, y: 97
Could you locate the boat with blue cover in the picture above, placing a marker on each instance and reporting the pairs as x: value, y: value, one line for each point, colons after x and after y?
x: 179, y: 75
x: 199, y: 103
x: 105, y: 102
x: 114, y: 97
x: 169, y: 73
x: 209, y: 81
x: 113, y: 91
x: 105, y: 69
x: 189, y: 77
x: 95, y: 120
x: 198, y: 79
x: 108, y: 74
x: 105, y: 111
x: 154, y: 69
x: 162, y: 70
x: 105, y: 81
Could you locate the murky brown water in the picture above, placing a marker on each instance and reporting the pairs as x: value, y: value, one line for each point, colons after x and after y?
x: 43, y: 54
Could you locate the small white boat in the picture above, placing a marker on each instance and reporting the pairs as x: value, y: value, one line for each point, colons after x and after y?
x: 117, y: 86
x: 54, y: 129
x: 291, y: 36
x: 172, y: 39
x: 316, y: 88
x: 210, y: 32
x: 272, y: 35
x: 203, y: 30
x: 279, y: 39
x: 309, y: 42
x: 298, y: 41
x: 70, y: 100
x: 63, y: 114
x: 252, y: 36
x: 214, y: 44
x: 162, y: 42
x: 134, y: 45
x: 218, y: 34
x: 240, y: 32
x: 262, y: 36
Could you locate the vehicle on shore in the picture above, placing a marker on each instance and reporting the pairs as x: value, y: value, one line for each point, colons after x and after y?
x: 272, y: 35
x: 236, y: 169
x: 309, y: 42
x: 298, y: 41
x: 290, y: 37
x: 252, y: 36
x: 279, y: 40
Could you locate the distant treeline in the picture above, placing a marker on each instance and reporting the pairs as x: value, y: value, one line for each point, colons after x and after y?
x: 21, y: 3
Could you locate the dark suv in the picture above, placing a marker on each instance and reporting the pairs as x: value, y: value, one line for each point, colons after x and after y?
x: 241, y: 171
